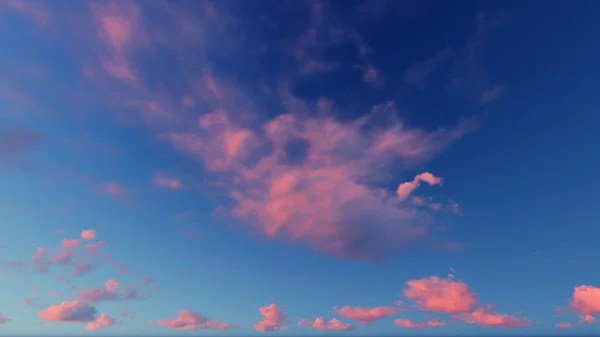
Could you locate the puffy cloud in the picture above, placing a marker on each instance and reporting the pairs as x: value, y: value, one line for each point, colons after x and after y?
x: 365, y: 315
x: 102, y: 321
x: 441, y: 295
x: 405, y: 189
x: 65, y: 243
x: 583, y: 319
x: 188, y: 320
x: 292, y: 183
x: 484, y: 316
x: 167, y: 182
x: 3, y: 319
x: 88, y: 234
x: 432, y: 323
x: 273, y: 319
x: 75, y: 311
x: 321, y: 324
x: 586, y: 300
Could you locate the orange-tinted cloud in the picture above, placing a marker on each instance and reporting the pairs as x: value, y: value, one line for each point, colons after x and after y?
x: 88, y: 234
x: 583, y: 320
x: 365, y: 315
x: 273, y: 319
x: 321, y: 324
x: 484, y: 316
x: 188, y: 320
x: 405, y: 189
x: 65, y: 243
x: 102, y: 321
x: 75, y: 311
x: 432, y: 323
x: 586, y: 300
x: 441, y: 295
x: 167, y: 182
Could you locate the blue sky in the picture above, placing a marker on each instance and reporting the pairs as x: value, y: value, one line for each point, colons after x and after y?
x: 403, y: 167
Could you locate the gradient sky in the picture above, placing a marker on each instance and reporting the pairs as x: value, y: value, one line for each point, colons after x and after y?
x: 291, y: 167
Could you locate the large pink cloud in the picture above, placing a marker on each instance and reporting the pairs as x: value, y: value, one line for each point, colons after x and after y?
x: 75, y: 311
x: 101, y: 322
x: 273, y: 319
x: 441, y: 295
x: 366, y: 315
x: 583, y: 320
x: 586, y: 300
x: 484, y: 316
x: 319, y: 190
x: 321, y: 324
x: 188, y: 320
x: 432, y: 323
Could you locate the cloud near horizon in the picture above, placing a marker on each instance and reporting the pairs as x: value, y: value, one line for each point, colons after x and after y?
x: 188, y: 320
x: 321, y: 324
x: 273, y: 319
x: 441, y: 295
x: 365, y: 315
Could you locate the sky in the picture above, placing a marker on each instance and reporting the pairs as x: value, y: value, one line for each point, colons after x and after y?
x: 299, y: 168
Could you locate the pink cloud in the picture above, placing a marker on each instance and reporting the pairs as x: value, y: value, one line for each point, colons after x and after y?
x: 94, y: 248
x: 3, y: 319
x: 586, y: 300
x: 88, y: 234
x: 113, y: 189
x: 583, y: 320
x: 167, y: 182
x: 188, y: 320
x: 441, y: 295
x: 81, y: 269
x: 365, y: 315
x: 75, y: 311
x: 40, y: 261
x: 273, y: 319
x: 53, y: 294
x: 484, y: 316
x: 321, y: 324
x: 111, y: 285
x: 97, y: 295
x: 325, y: 195
x: 102, y: 321
x: 63, y: 257
x: 432, y: 323
x: 405, y: 189
x: 69, y: 243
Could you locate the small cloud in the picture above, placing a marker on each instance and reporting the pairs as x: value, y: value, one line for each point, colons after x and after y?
x: 321, y: 324
x: 188, y: 320
x: 70, y: 243
x: 3, y: 319
x: 100, y: 322
x: 484, y: 316
x: 405, y: 189
x: 583, y: 320
x: 432, y: 323
x: 113, y: 190
x: 88, y: 234
x: 491, y: 95
x: 441, y: 295
x: 273, y: 319
x: 167, y: 182
x: 366, y: 315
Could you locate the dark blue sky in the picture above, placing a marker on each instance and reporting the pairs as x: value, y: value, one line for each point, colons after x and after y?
x: 330, y: 158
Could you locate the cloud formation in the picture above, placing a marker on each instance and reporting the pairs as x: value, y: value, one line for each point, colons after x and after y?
x: 365, y: 315
x: 273, y: 319
x: 583, y: 320
x: 586, y: 300
x: 484, y: 316
x: 405, y: 189
x: 432, y: 323
x: 101, y: 322
x: 188, y: 320
x: 74, y: 311
x: 88, y: 234
x: 441, y: 295
x: 321, y: 324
